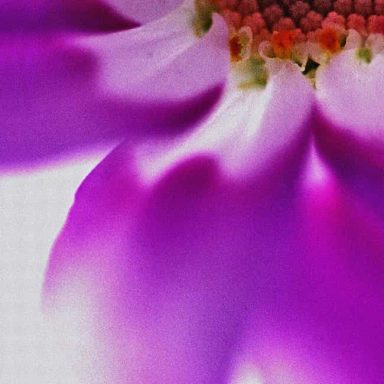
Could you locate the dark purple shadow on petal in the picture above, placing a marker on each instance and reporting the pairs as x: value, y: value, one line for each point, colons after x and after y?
x: 358, y: 164
x: 343, y: 302
x: 324, y: 320
x: 61, y: 15
x: 93, y: 15
x: 181, y: 262
x: 51, y: 107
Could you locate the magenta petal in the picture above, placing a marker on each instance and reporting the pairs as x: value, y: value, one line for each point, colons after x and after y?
x: 163, y: 276
x: 254, y: 119
x: 325, y: 323
x: 350, y: 93
x: 55, y: 15
x: 144, y: 11
x: 51, y: 103
x: 163, y: 61
x: 350, y: 124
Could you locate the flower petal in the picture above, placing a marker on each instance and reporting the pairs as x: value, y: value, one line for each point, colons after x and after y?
x: 51, y: 103
x: 325, y: 322
x: 144, y: 11
x: 350, y: 124
x: 48, y: 103
x: 42, y: 15
x: 248, y: 133
x: 161, y: 277
x: 350, y: 92
x: 163, y: 60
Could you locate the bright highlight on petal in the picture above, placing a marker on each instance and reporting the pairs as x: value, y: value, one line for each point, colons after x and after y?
x: 144, y: 11
x: 175, y: 248
x: 246, y: 133
x: 44, y: 17
x: 246, y: 374
x: 161, y: 61
x: 350, y: 90
x: 169, y: 270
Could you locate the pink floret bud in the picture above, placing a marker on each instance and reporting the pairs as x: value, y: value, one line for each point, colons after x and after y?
x: 255, y: 22
x: 375, y: 24
x: 232, y: 18
x: 334, y: 19
x: 311, y: 21
x: 322, y: 6
x: 379, y: 7
x: 248, y: 7
x: 363, y: 7
x: 299, y: 9
x: 343, y: 7
x: 272, y: 14
x: 356, y: 22
x: 284, y: 24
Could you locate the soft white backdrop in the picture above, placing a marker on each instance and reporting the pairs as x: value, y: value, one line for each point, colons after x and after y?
x: 33, y: 208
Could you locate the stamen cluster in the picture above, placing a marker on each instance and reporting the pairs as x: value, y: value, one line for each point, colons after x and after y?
x: 285, y: 23
x: 306, y: 15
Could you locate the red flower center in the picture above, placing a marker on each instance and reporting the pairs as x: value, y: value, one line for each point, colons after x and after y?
x: 284, y: 23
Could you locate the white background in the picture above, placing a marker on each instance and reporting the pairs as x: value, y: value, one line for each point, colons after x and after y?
x: 33, y: 207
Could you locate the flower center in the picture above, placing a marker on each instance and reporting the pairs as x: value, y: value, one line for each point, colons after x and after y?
x: 305, y: 31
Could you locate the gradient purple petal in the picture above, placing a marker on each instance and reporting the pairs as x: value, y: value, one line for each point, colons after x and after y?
x: 325, y: 324
x: 49, y: 102
x: 349, y: 124
x: 53, y: 101
x: 169, y: 268
x: 350, y: 93
x: 38, y: 16
x: 248, y: 132
x: 144, y: 11
x: 163, y: 60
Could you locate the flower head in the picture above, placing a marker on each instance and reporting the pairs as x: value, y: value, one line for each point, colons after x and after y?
x: 234, y: 241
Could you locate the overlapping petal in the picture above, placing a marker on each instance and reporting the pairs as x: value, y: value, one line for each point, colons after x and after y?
x: 54, y: 98
x: 248, y: 133
x: 49, y: 104
x: 144, y: 11
x: 163, y: 60
x: 349, y: 92
x: 350, y: 122
x: 326, y: 322
x: 171, y: 244
x: 43, y: 16
x: 172, y: 264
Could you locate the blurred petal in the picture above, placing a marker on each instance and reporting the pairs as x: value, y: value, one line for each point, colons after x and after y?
x: 144, y: 11
x: 48, y: 103
x: 51, y: 103
x: 350, y: 123
x: 248, y: 133
x: 350, y: 93
x: 325, y: 323
x: 57, y: 15
x: 163, y: 60
x: 162, y: 276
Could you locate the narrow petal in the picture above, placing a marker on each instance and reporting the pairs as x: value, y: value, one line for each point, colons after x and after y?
x: 163, y: 60
x: 51, y: 103
x: 48, y: 102
x: 350, y: 92
x: 350, y: 123
x: 144, y: 11
x: 154, y: 281
x: 325, y: 322
x: 248, y: 133
x: 57, y: 15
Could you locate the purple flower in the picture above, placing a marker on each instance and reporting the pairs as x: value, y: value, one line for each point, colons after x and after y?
x: 249, y: 245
